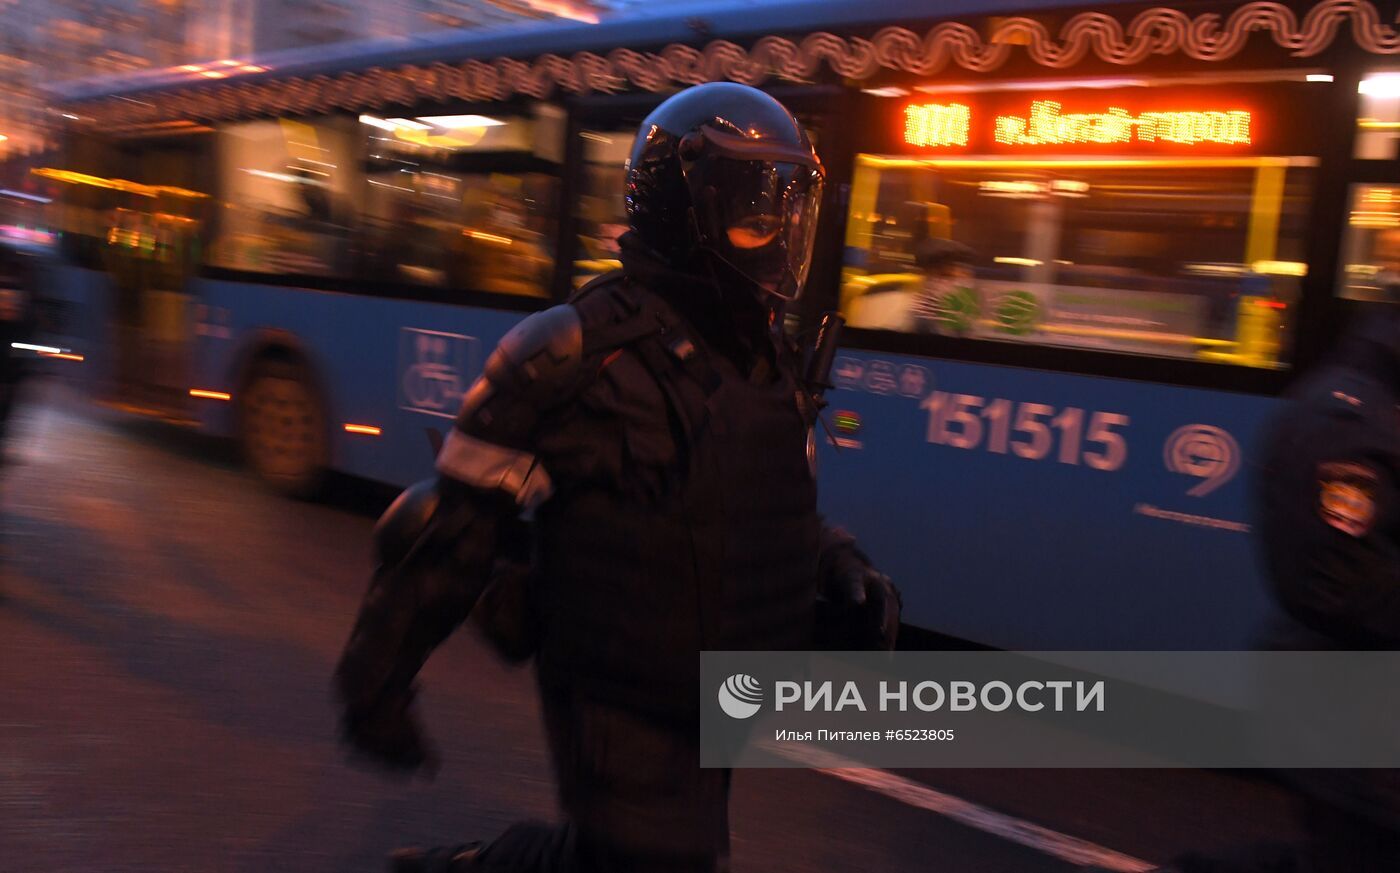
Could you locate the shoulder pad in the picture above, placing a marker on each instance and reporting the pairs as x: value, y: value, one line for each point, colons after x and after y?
x: 541, y: 353
x: 532, y: 367
x: 1345, y: 400
x: 1351, y: 395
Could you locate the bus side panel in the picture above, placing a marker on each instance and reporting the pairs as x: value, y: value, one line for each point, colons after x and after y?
x: 395, y: 365
x: 79, y: 303
x: 1034, y: 510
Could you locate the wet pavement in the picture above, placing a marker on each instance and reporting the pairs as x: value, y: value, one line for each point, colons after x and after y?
x: 167, y: 633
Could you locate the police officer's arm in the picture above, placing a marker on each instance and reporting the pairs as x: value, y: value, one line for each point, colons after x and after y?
x: 858, y: 607
x: 437, y: 545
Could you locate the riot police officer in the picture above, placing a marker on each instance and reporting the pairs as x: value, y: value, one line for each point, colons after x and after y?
x: 17, y: 317
x: 1330, y: 530
x: 658, y: 428
x: 1329, y: 526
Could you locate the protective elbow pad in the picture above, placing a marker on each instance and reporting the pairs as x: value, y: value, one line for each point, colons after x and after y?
x: 405, y: 522
x: 440, y: 513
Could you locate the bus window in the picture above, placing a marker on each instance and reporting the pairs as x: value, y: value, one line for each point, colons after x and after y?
x: 1378, y: 127
x: 462, y: 201
x: 449, y: 201
x: 602, y: 217
x: 478, y: 231
x: 1370, y: 255
x: 1186, y: 258
x: 290, y: 190
x: 26, y: 217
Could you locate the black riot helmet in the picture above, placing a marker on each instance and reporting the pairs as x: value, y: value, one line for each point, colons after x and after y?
x: 723, y: 171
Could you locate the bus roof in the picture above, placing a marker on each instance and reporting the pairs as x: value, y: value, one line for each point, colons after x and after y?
x: 640, y: 27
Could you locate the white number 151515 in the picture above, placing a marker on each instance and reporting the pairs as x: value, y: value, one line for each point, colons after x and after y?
x: 1028, y: 430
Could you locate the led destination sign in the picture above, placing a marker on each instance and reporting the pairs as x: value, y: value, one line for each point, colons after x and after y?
x: 1246, y: 120
x: 1046, y: 125
x: 938, y: 124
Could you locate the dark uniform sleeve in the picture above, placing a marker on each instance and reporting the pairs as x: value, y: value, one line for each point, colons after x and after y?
x: 1331, y: 527
x: 444, y: 541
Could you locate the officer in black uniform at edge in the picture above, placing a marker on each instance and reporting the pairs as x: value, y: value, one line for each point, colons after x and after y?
x: 17, y: 325
x: 1329, y: 513
x: 658, y: 427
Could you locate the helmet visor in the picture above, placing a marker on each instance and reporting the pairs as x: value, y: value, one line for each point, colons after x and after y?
x: 762, y: 219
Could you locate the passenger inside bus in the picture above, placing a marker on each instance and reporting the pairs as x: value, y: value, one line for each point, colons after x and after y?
x: 940, y: 297
x: 947, y: 300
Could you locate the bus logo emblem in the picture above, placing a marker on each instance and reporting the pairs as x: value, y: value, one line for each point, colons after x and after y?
x: 1205, y: 452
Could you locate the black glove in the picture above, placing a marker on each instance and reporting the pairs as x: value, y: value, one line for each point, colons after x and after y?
x: 858, y: 607
x: 391, y: 737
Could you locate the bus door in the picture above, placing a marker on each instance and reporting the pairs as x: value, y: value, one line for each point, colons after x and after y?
x: 1368, y: 262
x: 152, y: 251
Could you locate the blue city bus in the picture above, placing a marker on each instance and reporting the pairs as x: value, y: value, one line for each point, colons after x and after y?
x: 1160, y: 214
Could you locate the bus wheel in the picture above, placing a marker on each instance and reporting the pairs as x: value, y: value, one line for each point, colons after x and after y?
x: 283, y: 429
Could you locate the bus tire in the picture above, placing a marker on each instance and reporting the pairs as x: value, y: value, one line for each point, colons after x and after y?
x: 282, y: 428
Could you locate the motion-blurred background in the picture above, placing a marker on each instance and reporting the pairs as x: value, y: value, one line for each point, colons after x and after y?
x: 47, y: 44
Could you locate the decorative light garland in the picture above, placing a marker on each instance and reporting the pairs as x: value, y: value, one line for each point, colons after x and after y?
x: 1157, y: 31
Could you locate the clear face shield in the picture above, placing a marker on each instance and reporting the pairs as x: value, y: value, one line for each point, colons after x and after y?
x: 758, y: 212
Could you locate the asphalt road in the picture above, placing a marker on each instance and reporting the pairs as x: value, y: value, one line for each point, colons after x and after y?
x: 167, y: 631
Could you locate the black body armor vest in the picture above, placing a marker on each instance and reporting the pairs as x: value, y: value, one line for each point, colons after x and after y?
x: 685, y: 516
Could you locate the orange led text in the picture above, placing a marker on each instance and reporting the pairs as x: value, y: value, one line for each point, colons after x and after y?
x: 934, y: 124
x: 1046, y: 125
